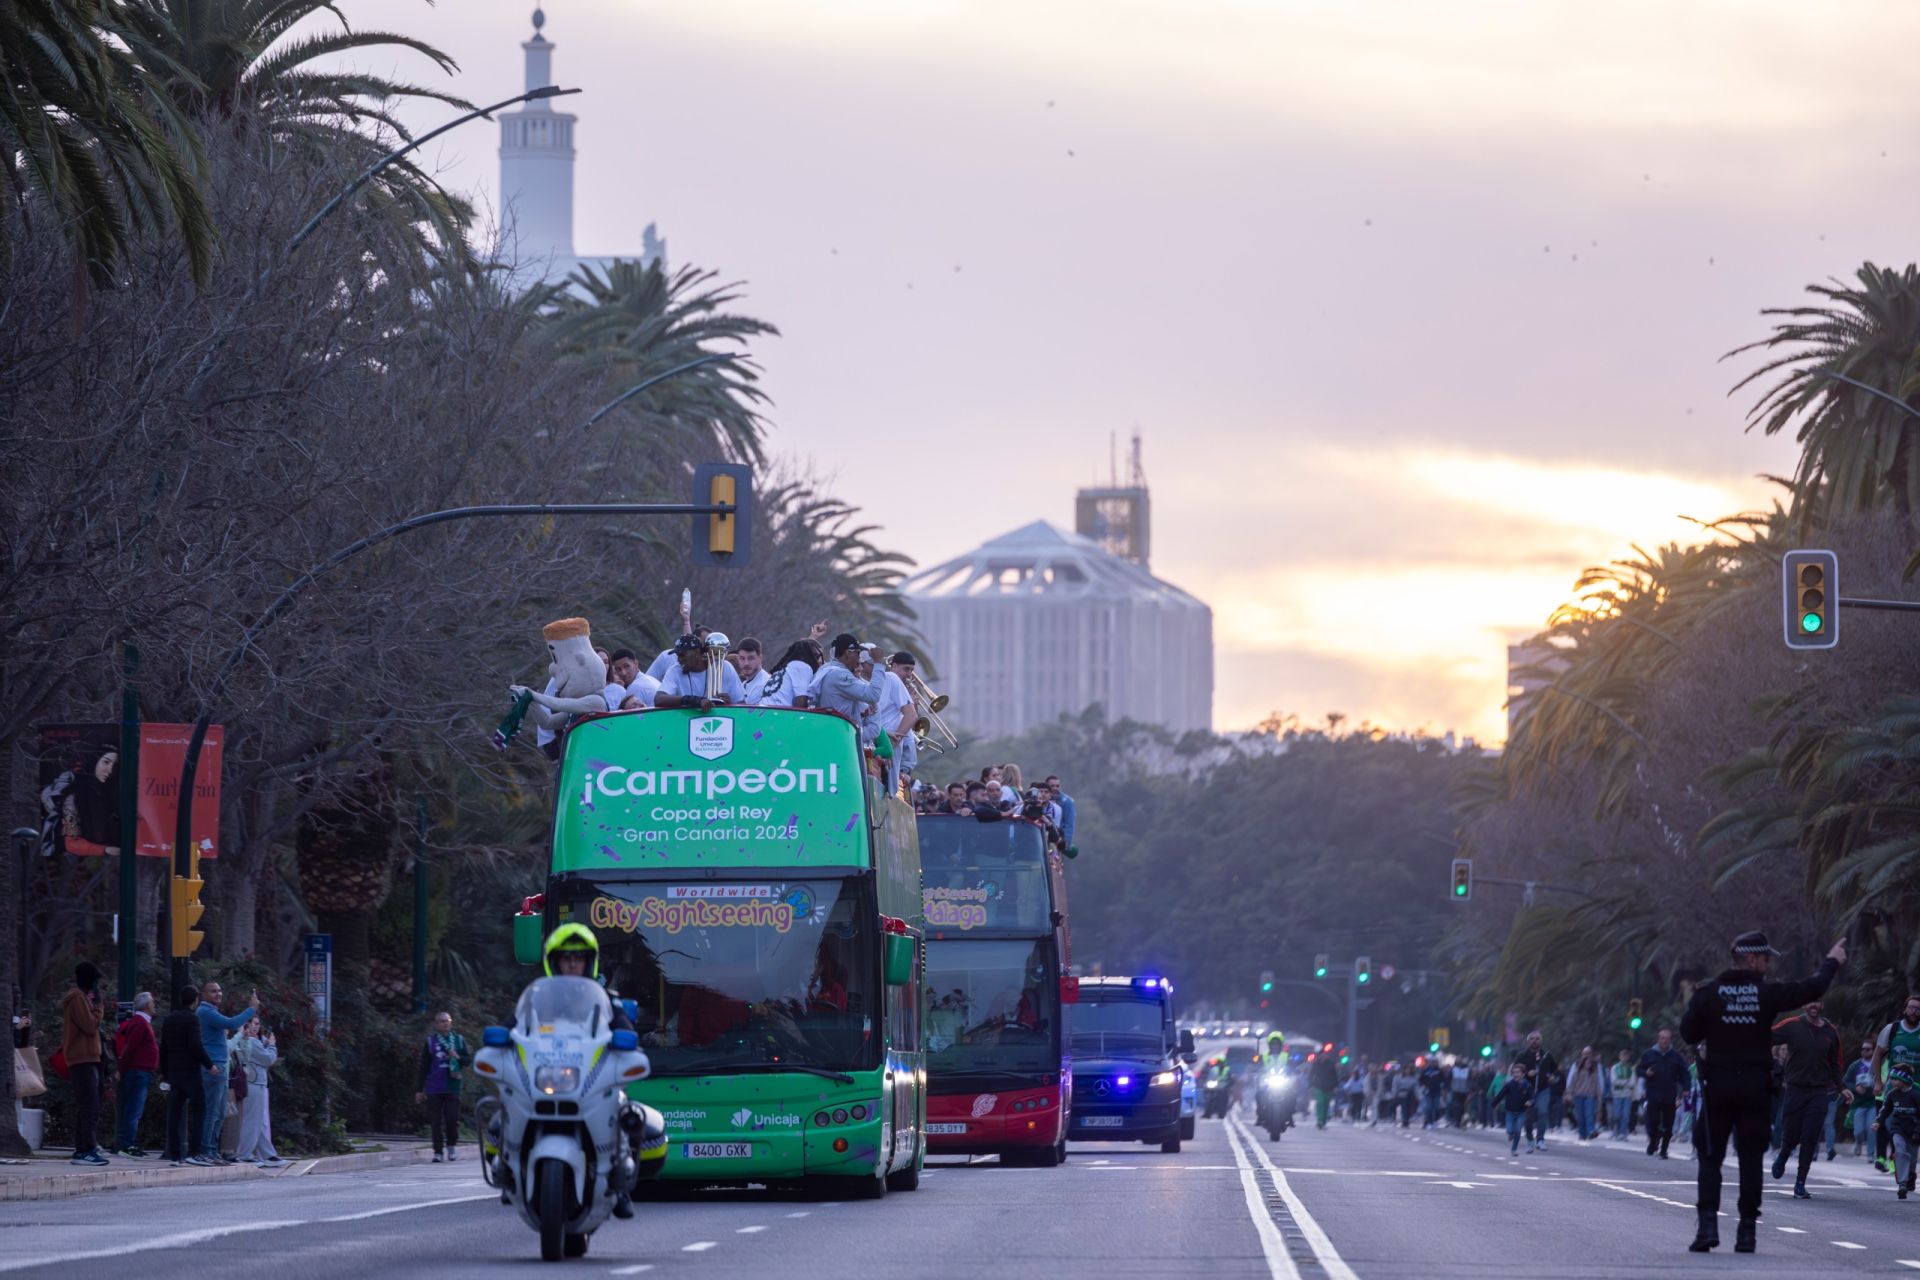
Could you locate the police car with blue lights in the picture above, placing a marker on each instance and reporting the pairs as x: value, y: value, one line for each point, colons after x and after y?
x: 1129, y: 1063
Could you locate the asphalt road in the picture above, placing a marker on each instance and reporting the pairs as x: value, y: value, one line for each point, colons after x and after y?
x: 1343, y: 1203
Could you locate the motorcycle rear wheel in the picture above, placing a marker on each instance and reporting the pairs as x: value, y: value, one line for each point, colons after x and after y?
x: 550, y: 1190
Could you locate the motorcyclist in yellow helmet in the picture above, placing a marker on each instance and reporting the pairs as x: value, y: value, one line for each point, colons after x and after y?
x: 572, y: 951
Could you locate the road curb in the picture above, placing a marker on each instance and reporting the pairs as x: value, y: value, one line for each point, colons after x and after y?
x: 60, y: 1186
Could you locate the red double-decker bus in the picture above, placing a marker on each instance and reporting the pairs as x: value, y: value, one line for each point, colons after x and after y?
x: 999, y: 1078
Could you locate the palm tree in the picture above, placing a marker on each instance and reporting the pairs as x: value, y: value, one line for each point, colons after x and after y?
x: 1856, y: 448
x: 637, y: 319
x: 81, y: 143
x: 233, y: 61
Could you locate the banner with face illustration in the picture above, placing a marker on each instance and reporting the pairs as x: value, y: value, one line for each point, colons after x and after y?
x: 79, y: 781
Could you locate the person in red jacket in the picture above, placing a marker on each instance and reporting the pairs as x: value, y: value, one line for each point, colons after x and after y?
x: 138, y: 1052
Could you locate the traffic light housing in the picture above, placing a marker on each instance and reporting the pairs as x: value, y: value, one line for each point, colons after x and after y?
x: 1633, y: 1014
x: 1462, y: 879
x: 724, y: 540
x: 184, y: 908
x: 1320, y: 965
x: 1363, y: 970
x: 1266, y: 981
x: 1810, y: 599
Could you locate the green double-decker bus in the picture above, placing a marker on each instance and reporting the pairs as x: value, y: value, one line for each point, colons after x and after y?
x: 756, y: 892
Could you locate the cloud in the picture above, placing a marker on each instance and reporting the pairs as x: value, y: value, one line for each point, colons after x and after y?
x: 1416, y: 619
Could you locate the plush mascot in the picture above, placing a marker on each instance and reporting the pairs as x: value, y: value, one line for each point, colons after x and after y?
x: 578, y: 679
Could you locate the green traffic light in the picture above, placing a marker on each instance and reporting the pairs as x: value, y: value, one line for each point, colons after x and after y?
x: 1811, y: 622
x: 1633, y: 1023
x: 1434, y: 1047
x: 1266, y: 986
x: 1460, y: 891
x: 1486, y: 1051
x: 1363, y: 977
x: 1319, y: 973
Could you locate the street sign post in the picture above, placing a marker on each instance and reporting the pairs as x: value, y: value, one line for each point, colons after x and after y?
x: 319, y: 975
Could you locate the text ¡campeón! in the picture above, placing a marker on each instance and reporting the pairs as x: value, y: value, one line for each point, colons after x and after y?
x: 614, y: 780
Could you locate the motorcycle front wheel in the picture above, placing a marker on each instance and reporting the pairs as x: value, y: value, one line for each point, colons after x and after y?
x: 550, y: 1186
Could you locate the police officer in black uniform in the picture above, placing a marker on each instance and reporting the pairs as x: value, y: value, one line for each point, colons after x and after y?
x: 1730, y: 1025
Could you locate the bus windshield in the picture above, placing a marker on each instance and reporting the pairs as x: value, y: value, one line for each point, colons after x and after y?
x: 739, y: 976
x: 992, y: 1006
x: 984, y: 876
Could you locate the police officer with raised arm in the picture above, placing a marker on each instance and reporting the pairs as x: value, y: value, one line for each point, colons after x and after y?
x: 1730, y: 1024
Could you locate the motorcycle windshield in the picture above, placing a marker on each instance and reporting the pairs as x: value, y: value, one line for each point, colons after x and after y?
x: 550, y: 1001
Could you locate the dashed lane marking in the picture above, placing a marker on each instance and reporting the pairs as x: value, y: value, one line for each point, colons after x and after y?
x: 747, y: 1231
x: 1330, y: 1262
x: 698, y: 1246
x: 633, y: 1270
x: 801, y: 1214
x: 1909, y: 1262
x: 1847, y: 1244
x: 1792, y: 1231
x: 1279, y: 1261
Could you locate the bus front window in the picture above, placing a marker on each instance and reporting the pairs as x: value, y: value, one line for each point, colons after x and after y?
x: 990, y: 1006
x: 739, y: 976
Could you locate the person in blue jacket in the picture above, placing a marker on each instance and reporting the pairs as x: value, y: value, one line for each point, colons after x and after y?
x: 215, y: 1027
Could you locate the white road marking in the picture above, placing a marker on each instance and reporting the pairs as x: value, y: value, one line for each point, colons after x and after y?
x: 1464, y: 1186
x: 1848, y: 1244
x: 1329, y: 1257
x: 1792, y: 1231
x: 1909, y: 1262
x: 633, y: 1270
x: 1279, y: 1261
x: 180, y: 1240
x: 801, y: 1214
x: 405, y: 1208
x: 747, y: 1231
x: 698, y: 1246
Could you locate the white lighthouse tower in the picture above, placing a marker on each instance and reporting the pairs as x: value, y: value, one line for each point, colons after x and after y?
x: 536, y: 172
x: 536, y: 180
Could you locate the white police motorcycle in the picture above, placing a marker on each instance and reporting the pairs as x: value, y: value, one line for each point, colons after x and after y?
x: 562, y: 1141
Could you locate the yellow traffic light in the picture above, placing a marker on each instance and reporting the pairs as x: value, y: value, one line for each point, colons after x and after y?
x: 720, y: 488
x: 185, y: 913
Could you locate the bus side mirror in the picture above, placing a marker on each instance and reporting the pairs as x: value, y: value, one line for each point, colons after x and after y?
x: 527, y: 938
x: 899, y: 959
x: 1186, y: 1043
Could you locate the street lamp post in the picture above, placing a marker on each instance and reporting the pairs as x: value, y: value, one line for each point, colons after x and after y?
x: 183, y: 820
x: 347, y: 193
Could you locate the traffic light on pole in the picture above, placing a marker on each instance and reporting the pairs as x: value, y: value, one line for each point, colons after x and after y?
x: 185, y: 908
x: 1633, y: 1014
x: 1462, y: 879
x: 723, y: 539
x: 1320, y: 965
x: 1810, y: 586
x: 1363, y: 970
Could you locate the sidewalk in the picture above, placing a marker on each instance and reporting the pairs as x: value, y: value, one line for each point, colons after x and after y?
x: 50, y: 1175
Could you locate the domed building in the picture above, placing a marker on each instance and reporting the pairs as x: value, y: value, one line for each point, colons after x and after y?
x: 1041, y: 622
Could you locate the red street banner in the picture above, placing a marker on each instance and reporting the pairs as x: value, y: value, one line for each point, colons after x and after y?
x: 163, y: 753
x: 80, y: 788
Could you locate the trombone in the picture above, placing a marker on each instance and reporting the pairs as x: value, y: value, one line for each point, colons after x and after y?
x: 930, y: 731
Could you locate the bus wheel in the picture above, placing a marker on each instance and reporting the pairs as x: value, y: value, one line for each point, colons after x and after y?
x: 1061, y: 1147
x: 1043, y: 1157
x: 907, y: 1179
x: 870, y: 1188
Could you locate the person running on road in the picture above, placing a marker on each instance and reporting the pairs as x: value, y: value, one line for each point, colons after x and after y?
x: 1664, y: 1071
x: 1323, y: 1077
x: 1899, y: 1119
x: 1515, y: 1097
x: 1731, y: 1017
x: 1542, y: 1068
x: 1813, y: 1078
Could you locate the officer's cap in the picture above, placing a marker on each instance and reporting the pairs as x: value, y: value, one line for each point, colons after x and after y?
x: 1753, y: 943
